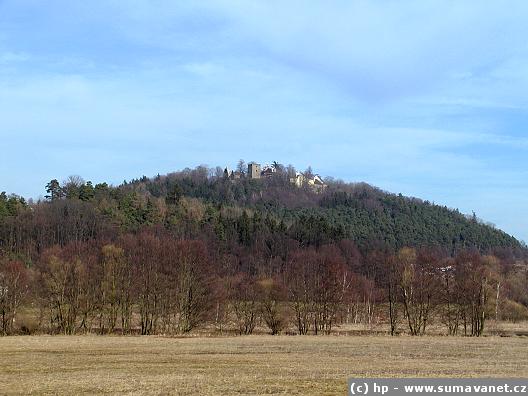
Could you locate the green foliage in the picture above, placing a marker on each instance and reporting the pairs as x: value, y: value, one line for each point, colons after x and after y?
x: 174, y: 194
x: 11, y: 205
x: 86, y: 191
x: 398, y: 221
x: 54, y: 190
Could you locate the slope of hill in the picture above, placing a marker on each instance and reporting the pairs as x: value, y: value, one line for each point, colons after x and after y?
x: 367, y: 215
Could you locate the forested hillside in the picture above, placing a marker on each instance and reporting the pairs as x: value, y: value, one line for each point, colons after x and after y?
x: 156, y: 239
x: 370, y: 217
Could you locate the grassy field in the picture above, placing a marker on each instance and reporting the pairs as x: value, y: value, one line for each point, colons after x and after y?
x: 243, y: 365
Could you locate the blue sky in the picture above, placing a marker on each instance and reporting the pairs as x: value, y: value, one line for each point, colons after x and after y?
x: 426, y: 98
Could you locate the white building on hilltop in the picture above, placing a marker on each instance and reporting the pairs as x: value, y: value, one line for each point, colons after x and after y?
x: 314, y: 182
x: 298, y: 179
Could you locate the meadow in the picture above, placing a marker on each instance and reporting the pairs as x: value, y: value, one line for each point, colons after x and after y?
x: 257, y: 364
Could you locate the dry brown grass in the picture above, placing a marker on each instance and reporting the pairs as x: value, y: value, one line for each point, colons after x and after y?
x: 243, y: 365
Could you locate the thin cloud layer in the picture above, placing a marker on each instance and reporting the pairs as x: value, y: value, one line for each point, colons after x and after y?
x: 421, y: 97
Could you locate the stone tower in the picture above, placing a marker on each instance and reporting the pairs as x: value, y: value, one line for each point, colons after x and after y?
x: 253, y: 170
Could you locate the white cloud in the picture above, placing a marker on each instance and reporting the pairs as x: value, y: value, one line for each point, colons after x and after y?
x: 394, y: 93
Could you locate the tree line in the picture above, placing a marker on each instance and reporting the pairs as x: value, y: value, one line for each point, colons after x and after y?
x: 196, y: 250
x: 152, y: 283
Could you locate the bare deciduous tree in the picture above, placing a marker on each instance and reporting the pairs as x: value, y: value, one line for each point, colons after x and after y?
x: 418, y: 285
x: 271, y: 296
x: 13, y: 289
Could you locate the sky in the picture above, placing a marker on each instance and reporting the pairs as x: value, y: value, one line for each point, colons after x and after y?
x: 425, y: 98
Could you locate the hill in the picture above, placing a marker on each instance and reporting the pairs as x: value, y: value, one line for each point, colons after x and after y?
x: 203, y: 200
x: 372, y: 218
x: 216, y: 248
